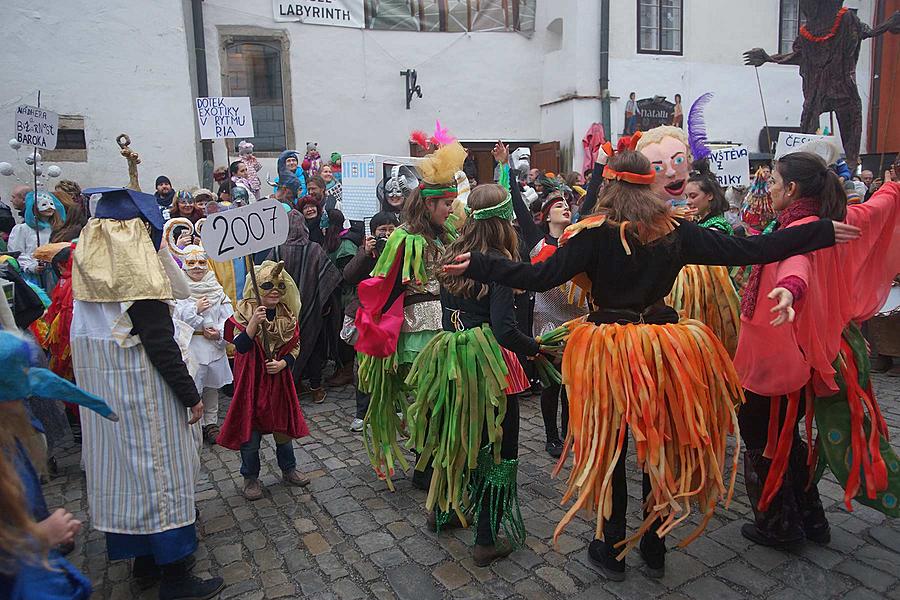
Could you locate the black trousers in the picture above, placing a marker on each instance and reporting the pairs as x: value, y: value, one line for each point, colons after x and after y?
x: 509, y: 450
x: 316, y: 362
x: 550, y: 400
x: 797, y: 507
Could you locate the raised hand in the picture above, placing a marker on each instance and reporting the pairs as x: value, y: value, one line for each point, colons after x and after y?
x: 500, y: 152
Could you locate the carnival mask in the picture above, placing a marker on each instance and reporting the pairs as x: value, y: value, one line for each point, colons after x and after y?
x: 195, y: 262
x: 521, y: 160
x: 671, y: 163
x: 175, y: 227
x: 270, y: 278
x: 45, y: 202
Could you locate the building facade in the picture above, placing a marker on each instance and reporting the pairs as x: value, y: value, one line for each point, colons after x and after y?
x: 526, y: 71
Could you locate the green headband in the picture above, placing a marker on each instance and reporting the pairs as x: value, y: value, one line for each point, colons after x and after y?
x: 438, y: 193
x: 504, y: 210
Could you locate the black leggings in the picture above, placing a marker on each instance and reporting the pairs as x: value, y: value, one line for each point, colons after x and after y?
x: 753, y: 419
x: 509, y: 450
x: 316, y: 362
x: 550, y: 401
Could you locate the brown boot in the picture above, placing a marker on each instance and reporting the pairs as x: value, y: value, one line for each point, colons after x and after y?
x: 293, y: 477
x: 484, y: 556
x: 341, y: 377
x: 318, y: 395
x: 252, y: 490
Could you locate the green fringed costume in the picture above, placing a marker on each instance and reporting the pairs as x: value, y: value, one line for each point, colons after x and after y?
x: 383, y: 378
x: 833, y: 421
x: 456, y: 424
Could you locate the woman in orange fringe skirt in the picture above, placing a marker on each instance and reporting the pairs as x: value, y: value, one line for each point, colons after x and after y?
x: 633, y: 364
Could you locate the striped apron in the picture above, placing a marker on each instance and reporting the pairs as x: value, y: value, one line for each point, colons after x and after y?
x: 141, y: 470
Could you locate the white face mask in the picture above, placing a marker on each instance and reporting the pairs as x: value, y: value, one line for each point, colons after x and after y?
x: 45, y: 202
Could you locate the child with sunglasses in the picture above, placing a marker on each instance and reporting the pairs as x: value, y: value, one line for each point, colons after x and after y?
x: 266, y: 339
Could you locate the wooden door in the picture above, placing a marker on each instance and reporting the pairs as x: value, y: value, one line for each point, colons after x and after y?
x: 545, y: 157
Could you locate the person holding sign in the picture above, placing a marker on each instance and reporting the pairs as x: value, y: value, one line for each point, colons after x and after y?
x: 266, y: 340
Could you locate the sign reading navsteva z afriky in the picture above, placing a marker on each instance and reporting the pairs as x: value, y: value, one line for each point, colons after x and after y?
x: 246, y: 230
x: 788, y: 142
x: 224, y: 118
x: 36, y: 127
x: 340, y: 13
x: 731, y: 166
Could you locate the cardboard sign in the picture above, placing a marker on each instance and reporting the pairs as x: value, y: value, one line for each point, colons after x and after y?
x: 788, y: 142
x: 360, y: 176
x: 246, y: 230
x: 224, y: 118
x: 36, y: 127
x: 731, y: 166
x: 340, y: 13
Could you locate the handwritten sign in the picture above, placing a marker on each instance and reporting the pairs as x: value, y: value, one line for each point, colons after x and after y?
x: 360, y: 176
x: 340, y: 13
x: 788, y: 142
x: 247, y: 230
x: 224, y: 118
x: 731, y: 166
x: 36, y: 127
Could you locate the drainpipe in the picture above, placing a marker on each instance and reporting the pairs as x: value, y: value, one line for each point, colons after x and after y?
x: 202, y: 86
x: 604, y: 68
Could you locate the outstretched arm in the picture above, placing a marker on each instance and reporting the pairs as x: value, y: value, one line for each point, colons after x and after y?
x: 757, y: 57
x: 568, y: 261
x: 891, y: 24
x: 704, y: 247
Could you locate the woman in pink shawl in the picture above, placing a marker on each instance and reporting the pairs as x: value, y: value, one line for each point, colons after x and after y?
x: 810, y: 360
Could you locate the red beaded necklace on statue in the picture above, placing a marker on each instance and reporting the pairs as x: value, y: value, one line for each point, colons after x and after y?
x: 821, y: 38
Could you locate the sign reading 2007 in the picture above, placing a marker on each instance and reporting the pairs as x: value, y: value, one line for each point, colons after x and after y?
x: 247, y: 230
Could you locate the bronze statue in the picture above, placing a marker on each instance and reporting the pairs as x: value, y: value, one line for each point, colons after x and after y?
x: 133, y: 161
x: 827, y: 51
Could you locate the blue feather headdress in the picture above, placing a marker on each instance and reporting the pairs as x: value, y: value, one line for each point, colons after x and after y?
x: 697, y: 127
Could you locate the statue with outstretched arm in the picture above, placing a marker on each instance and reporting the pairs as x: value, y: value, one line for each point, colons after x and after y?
x: 827, y: 50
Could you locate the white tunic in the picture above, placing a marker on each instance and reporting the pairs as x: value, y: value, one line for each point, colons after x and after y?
x: 211, y: 360
x: 141, y: 470
x: 25, y: 240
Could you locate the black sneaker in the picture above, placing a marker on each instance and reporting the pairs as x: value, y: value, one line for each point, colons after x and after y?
x: 604, y: 556
x: 758, y: 536
x: 146, y: 572
x: 554, y: 448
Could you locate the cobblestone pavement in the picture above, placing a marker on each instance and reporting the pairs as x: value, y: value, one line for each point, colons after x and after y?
x: 346, y: 536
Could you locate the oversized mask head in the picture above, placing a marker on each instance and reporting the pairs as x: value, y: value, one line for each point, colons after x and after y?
x: 521, y: 159
x: 271, y: 280
x: 195, y: 262
x: 667, y: 149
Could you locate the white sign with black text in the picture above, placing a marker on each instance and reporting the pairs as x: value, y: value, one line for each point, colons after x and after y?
x: 788, y: 142
x: 36, y: 127
x: 731, y: 166
x: 339, y: 13
x: 224, y: 118
x: 246, y: 230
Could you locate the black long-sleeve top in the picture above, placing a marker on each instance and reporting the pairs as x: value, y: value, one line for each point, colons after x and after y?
x: 495, y: 309
x: 152, y: 323
x: 590, y: 198
x: 531, y: 232
x: 642, y: 279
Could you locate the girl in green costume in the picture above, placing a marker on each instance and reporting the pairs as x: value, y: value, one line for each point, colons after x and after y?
x: 404, y: 277
x: 465, y: 418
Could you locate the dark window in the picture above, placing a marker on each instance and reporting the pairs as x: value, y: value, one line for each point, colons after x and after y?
x: 659, y: 26
x: 254, y: 70
x: 70, y: 139
x: 788, y: 25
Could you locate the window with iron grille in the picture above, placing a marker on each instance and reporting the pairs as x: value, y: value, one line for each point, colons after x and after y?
x: 254, y: 69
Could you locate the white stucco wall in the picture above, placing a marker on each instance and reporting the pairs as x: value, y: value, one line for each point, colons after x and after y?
x: 121, y: 65
x: 348, y: 95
